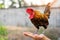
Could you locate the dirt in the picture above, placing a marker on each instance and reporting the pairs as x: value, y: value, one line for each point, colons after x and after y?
x: 16, y: 33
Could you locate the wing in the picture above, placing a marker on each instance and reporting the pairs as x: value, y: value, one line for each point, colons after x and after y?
x: 42, y: 19
x: 35, y: 23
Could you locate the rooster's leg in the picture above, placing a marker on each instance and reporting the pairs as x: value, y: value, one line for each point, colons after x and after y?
x: 36, y: 32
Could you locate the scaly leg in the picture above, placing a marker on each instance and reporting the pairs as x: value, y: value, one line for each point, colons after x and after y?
x: 36, y: 32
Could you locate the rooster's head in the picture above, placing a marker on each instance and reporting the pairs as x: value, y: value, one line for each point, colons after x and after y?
x: 30, y: 11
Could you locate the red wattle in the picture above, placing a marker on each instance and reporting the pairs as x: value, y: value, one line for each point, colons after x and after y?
x: 31, y: 16
x: 30, y: 12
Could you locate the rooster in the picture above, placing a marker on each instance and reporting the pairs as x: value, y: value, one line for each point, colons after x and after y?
x: 37, y: 18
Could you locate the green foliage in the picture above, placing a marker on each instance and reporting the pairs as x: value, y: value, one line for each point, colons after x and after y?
x: 3, y: 38
x: 1, y: 5
x: 3, y: 33
x: 41, y: 30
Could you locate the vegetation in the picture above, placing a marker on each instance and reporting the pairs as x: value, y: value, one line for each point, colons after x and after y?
x: 3, y: 33
x: 2, y: 5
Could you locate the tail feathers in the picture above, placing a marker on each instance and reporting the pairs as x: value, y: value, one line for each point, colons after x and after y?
x: 47, y: 14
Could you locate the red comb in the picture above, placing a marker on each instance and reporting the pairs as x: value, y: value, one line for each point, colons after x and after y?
x: 28, y: 10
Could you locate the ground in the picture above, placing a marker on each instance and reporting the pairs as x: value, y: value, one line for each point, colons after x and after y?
x: 16, y: 33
